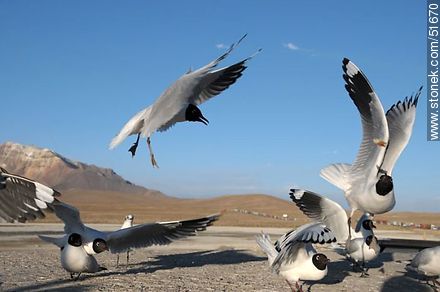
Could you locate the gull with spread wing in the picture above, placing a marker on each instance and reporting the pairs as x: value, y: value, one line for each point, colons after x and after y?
x: 179, y: 102
x: 22, y: 199
x: 360, y: 244
x: 367, y: 183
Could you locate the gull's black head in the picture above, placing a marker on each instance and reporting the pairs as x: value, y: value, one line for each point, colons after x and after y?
x: 74, y: 239
x: 193, y: 114
x: 320, y: 261
x: 368, y: 224
x: 369, y: 239
x: 384, y: 185
x: 99, y: 245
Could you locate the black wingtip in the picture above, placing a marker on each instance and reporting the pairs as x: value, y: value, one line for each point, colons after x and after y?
x: 345, y: 61
x: 292, y: 194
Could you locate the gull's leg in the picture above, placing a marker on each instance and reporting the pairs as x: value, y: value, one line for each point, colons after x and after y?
x: 134, y: 146
x: 117, y: 260
x: 76, y: 279
x: 71, y: 275
x: 349, y: 222
x: 290, y: 285
x: 153, y: 161
x: 364, y: 273
x: 128, y: 257
x: 298, y: 287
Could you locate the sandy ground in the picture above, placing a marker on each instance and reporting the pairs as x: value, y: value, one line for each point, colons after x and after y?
x: 220, y: 259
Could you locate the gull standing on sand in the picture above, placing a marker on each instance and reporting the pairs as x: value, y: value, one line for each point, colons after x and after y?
x: 178, y: 103
x: 367, y: 183
x: 128, y: 222
x: 293, y: 256
x: 360, y: 244
x: 74, y: 258
x: 22, y: 199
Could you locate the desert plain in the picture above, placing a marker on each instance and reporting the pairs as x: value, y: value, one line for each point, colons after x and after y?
x: 223, y: 258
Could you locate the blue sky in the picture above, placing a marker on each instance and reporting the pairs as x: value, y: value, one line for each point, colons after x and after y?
x: 73, y: 72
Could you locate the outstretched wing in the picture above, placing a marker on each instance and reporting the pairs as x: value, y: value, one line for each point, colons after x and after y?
x: 211, y: 65
x: 400, y: 117
x: 324, y: 210
x: 23, y: 199
x: 214, y: 82
x: 374, y: 125
x: 70, y: 216
x: 160, y: 233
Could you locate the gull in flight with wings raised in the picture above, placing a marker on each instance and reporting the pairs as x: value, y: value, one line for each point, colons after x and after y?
x: 180, y: 101
x: 367, y: 183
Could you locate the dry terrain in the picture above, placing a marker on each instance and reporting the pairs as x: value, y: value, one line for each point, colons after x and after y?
x: 220, y: 259
x: 223, y: 258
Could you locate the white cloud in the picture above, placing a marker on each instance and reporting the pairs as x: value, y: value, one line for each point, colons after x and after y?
x: 291, y: 46
x: 220, y: 46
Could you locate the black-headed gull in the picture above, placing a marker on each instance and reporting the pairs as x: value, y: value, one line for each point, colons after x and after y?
x: 367, y: 183
x: 178, y: 103
x: 360, y: 244
x: 427, y: 263
x: 74, y: 258
x: 22, y: 199
x: 128, y: 222
x: 293, y: 256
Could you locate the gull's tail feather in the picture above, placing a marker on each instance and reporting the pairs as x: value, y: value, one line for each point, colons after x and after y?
x: 133, y: 126
x: 263, y: 240
x: 337, y: 174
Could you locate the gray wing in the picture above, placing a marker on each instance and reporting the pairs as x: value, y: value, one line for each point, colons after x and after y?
x: 400, y: 118
x: 70, y: 216
x: 160, y: 233
x: 315, y: 232
x: 374, y: 124
x: 23, y: 199
x: 213, y: 83
x: 290, y: 243
x: 167, y: 110
x: 208, y: 67
x: 324, y: 210
x: 353, y: 245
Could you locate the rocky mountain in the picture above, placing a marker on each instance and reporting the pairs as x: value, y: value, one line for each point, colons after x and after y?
x: 61, y: 173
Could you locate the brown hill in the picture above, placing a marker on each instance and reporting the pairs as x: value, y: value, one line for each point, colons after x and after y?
x: 238, y: 210
x: 61, y: 173
x: 112, y: 207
